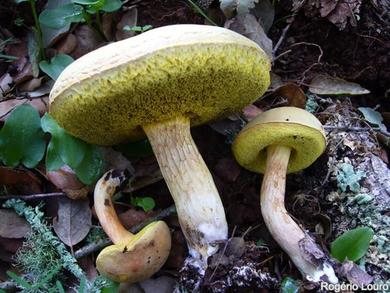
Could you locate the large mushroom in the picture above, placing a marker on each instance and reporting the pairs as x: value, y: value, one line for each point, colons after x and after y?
x: 280, y: 141
x: 132, y: 258
x: 159, y: 83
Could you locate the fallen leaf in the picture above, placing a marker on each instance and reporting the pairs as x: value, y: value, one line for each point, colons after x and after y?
x: 265, y: 11
x: 5, y: 82
x: 87, y: 41
x: 41, y: 91
x: 372, y: 116
x: 66, y: 180
x: 24, y: 71
x: 20, y: 181
x: 31, y: 85
x: 6, y: 107
x: 107, y: 25
x: 74, y: 220
x: 129, y: 18
x: 339, y: 11
x: 355, y: 274
x: 12, y: 225
x: 328, y: 85
x: 11, y: 244
x: 67, y: 44
x: 115, y: 160
x: 294, y: 94
x: 248, y: 26
x: 133, y: 217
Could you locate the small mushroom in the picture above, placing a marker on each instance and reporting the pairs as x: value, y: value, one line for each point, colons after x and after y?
x: 280, y: 141
x: 132, y: 258
x: 159, y: 83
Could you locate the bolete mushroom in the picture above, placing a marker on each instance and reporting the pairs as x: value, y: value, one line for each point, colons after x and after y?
x: 132, y: 258
x: 280, y: 141
x: 159, y: 83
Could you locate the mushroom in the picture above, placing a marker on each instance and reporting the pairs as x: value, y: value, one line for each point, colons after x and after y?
x: 132, y: 258
x: 159, y: 83
x: 280, y: 141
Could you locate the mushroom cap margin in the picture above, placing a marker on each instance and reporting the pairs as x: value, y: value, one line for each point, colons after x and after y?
x: 288, y: 126
x: 139, y: 259
x: 204, y: 72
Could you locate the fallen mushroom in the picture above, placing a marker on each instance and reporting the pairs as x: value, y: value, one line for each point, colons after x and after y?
x: 132, y: 258
x: 159, y: 83
x: 280, y: 141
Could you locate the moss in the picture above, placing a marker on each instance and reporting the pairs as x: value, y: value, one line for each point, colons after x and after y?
x: 204, y: 82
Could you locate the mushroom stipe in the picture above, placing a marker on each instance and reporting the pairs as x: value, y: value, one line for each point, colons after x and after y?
x: 276, y: 142
x: 132, y: 258
x: 160, y: 83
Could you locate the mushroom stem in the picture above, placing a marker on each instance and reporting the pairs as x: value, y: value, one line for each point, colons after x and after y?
x: 104, y: 190
x: 199, y: 207
x: 282, y: 227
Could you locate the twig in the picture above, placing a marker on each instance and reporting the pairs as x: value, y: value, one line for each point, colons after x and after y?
x: 33, y: 196
x: 92, y: 247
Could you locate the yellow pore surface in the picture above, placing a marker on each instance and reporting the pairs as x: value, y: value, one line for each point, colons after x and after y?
x: 138, y: 259
x: 202, y: 72
x: 285, y: 126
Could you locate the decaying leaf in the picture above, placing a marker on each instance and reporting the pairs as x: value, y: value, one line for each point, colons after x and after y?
x: 372, y: 116
x: 74, y: 220
x: 294, y: 94
x: 12, y: 225
x: 355, y: 274
x: 265, y: 11
x: 20, y: 181
x: 87, y: 41
x: 6, y: 107
x: 328, y: 85
x: 67, y: 44
x: 66, y: 180
x: 251, y: 111
x: 247, y: 25
x: 339, y: 11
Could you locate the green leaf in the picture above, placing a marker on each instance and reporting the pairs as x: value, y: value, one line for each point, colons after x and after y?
x: 61, y: 16
x: 20, y: 281
x: 21, y: 138
x: 111, y: 5
x: 60, y: 287
x: 289, y: 285
x: 146, y: 203
x: 352, y: 245
x: 57, y: 64
x: 113, y: 287
x: 84, y: 159
x: 372, y: 116
x: 71, y: 150
x: 91, y: 167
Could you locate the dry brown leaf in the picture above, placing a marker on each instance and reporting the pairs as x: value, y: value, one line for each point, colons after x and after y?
x: 12, y: 225
x: 294, y: 94
x: 6, y: 107
x: 74, y: 220
x: 67, y: 44
x: 87, y: 41
x: 20, y: 181
x: 133, y: 217
x: 251, y: 112
x: 31, y: 85
x: 66, y: 180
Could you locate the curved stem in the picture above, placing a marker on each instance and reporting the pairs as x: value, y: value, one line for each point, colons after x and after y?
x: 279, y: 223
x: 199, y: 207
x: 105, y: 188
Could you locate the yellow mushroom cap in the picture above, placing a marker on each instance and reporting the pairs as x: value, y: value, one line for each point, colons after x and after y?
x: 286, y: 126
x: 203, y: 72
x: 138, y: 259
